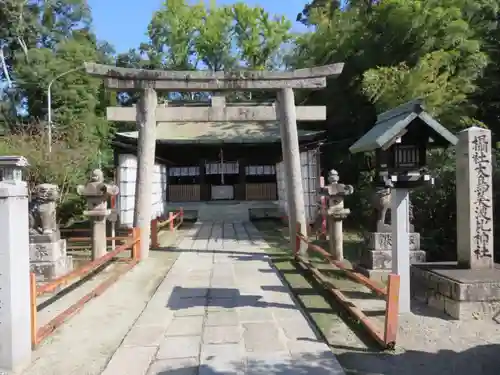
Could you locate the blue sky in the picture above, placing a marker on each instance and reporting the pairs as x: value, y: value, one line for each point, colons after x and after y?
x: 123, y: 23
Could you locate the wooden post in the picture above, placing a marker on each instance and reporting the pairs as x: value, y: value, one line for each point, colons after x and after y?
x: 392, y: 310
x: 154, y: 233
x: 171, y: 221
x: 136, y: 247
x: 146, y: 123
x: 181, y: 215
x: 298, y: 231
x: 33, y: 310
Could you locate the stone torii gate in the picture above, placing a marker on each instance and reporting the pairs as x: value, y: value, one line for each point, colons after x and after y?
x: 147, y: 113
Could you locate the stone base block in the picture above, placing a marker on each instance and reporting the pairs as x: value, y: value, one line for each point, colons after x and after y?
x: 463, y: 294
x: 45, y: 238
x: 383, y: 241
x: 380, y: 276
x: 382, y: 259
x: 263, y: 213
x: 48, y: 251
x: 191, y: 215
x: 46, y: 271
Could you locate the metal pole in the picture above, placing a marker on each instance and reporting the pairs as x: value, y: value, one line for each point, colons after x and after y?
x: 49, y: 104
x: 49, y: 116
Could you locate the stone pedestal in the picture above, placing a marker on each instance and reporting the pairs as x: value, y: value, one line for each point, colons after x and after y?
x: 463, y: 294
x: 376, y: 259
x: 470, y: 288
x: 48, y: 257
x: 15, y: 335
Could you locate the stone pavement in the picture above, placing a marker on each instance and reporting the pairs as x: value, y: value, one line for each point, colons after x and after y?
x: 222, y: 309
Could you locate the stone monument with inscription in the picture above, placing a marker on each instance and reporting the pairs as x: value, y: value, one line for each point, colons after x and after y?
x: 336, y: 213
x: 97, y: 193
x: 48, y: 258
x: 376, y: 258
x: 468, y: 289
x: 475, y: 199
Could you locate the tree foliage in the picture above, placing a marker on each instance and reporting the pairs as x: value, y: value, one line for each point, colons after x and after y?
x: 442, y: 51
x: 445, y: 52
x: 45, y: 43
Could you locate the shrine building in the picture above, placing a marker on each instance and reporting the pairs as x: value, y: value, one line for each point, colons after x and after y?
x: 218, y: 162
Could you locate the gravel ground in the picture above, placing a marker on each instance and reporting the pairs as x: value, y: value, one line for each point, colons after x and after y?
x: 428, y: 343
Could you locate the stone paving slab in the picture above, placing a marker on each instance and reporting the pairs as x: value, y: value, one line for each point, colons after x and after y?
x: 222, y: 309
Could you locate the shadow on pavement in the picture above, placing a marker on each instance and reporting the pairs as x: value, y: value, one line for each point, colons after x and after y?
x: 320, y: 363
x: 185, y: 298
x: 480, y: 360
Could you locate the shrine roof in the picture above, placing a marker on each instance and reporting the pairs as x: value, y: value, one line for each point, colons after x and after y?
x: 219, y: 132
x: 391, y: 124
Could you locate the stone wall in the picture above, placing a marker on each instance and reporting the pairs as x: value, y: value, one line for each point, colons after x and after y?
x: 468, y: 298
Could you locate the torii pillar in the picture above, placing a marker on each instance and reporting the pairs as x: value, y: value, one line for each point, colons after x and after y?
x: 293, y: 169
x: 147, y: 114
x: 146, y: 149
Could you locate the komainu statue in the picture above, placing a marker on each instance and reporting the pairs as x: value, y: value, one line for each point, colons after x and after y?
x: 42, y: 218
x: 381, y: 202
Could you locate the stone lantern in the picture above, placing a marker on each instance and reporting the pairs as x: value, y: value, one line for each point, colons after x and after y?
x: 400, y: 140
x: 97, y: 194
x: 336, y: 213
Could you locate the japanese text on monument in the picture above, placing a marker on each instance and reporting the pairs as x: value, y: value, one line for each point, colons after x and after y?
x: 482, y: 196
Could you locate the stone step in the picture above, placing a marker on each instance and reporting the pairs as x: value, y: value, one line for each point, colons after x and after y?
x: 223, y: 212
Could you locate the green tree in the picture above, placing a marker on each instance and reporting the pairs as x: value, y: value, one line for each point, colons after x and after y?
x: 394, y: 51
x: 384, y: 45
x: 39, y: 41
x: 213, y: 43
x: 172, y: 34
x: 327, y: 7
x: 259, y: 36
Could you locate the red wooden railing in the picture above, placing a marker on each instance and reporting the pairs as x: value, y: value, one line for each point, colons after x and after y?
x: 386, y: 337
x: 174, y: 221
x: 39, y: 334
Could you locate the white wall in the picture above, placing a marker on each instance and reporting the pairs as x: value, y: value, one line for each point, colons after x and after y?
x: 310, y: 184
x: 126, y: 177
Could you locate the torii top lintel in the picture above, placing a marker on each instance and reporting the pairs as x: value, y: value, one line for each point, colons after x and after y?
x: 244, y: 80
